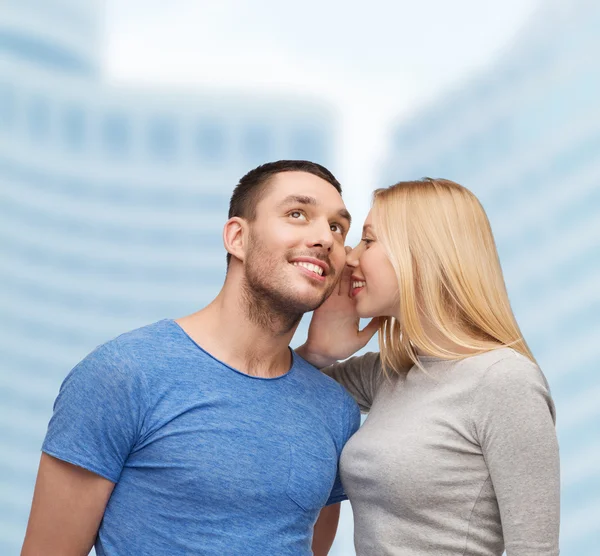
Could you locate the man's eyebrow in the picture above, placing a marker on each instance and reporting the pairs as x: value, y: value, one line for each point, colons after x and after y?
x: 343, y: 213
x: 300, y: 199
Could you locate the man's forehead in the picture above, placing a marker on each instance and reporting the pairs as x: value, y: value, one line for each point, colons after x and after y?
x: 296, y: 178
x: 286, y: 185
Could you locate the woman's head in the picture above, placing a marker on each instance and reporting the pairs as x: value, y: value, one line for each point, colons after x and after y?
x: 430, y: 267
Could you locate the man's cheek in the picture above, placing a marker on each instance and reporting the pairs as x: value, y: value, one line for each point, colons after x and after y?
x: 338, y: 263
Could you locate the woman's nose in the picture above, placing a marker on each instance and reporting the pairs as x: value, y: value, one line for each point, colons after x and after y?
x: 352, y: 256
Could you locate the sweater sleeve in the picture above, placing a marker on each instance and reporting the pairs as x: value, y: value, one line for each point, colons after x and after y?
x: 360, y: 376
x: 513, y: 417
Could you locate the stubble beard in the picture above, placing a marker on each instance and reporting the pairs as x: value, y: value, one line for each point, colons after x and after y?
x: 273, y: 306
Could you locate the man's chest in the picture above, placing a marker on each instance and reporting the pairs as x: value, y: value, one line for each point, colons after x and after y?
x: 225, y: 449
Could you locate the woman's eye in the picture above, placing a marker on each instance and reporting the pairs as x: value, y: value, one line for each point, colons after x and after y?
x: 366, y: 241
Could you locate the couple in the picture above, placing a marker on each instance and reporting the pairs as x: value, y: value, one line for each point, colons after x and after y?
x: 208, y: 435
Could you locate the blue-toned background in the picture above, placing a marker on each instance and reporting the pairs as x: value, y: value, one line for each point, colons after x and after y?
x: 124, y: 127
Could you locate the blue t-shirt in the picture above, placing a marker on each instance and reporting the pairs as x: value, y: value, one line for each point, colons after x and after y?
x: 206, y: 459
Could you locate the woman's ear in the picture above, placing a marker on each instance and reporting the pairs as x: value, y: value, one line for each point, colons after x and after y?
x: 235, y: 234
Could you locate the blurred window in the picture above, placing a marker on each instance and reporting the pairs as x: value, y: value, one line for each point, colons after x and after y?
x: 308, y: 144
x: 256, y: 145
x: 162, y: 139
x: 38, y: 118
x: 7, y: 106
x: 74, y: 127
x: 210, y: 141
x: 116, y: 135
x: 42, y: 51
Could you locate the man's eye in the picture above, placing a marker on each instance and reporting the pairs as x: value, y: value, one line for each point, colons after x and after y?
x: 337, y: 228
x: 297, y: 214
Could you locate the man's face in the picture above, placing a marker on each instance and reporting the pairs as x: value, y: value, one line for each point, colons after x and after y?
x: 295, y: 250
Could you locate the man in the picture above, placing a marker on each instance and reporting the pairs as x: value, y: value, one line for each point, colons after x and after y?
x: 207, y: 435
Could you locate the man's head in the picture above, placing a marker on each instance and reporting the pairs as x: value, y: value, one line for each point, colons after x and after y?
x: 286, y: 231
x: 251, y: 188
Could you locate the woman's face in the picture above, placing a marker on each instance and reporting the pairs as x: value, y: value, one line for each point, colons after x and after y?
x: 374, y: 285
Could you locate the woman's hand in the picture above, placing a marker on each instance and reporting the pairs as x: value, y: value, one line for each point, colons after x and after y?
x: 334, y: 332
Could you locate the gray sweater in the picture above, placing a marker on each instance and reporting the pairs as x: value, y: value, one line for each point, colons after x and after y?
x: 460, y: 460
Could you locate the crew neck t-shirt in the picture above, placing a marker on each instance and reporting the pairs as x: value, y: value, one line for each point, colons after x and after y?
x: 206, y: 459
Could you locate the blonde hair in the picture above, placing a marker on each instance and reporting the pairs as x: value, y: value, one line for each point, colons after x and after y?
x: 440, y: 243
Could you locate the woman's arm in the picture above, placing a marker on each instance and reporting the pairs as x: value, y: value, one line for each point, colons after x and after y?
x: 513, y: 416
x: 334, y: 332
x: 360, y: 376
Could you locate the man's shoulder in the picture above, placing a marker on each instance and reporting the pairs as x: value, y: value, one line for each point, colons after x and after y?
x: 143, y: 335
x: 150, y: 340
x: 334, y: 401
x: 127, y: 352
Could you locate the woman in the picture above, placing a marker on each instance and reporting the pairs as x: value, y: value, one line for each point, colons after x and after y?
x: 458, y: 455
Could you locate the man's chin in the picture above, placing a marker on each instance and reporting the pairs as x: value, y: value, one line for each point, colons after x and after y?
x: 307, y: 303
x: 306, y: 306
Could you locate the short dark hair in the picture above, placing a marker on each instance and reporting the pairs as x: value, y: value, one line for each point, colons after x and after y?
x: 249, y: 191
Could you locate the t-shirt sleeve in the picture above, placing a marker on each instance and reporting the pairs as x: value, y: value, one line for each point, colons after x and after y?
x: 350, y: 426
x: 513, y: 417
x: 97, y: 415
x: 360, y: 376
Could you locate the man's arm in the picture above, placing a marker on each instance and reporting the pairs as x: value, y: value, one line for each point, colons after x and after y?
x: 68, y: 505
x: 325, y: 529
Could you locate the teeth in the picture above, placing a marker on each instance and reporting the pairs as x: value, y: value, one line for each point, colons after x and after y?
x: 360, y: 284
x: 312, y: 267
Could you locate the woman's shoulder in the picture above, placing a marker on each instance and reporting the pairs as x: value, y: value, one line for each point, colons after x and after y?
x: 510, y: 387
x: 506, y: 365
x: 505, y: 373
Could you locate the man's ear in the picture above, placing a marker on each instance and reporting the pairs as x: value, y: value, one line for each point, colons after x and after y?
x: 235, y: 235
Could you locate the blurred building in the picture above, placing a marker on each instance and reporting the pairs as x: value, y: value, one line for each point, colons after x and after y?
x: 524, y: 136
x: 112, y: 202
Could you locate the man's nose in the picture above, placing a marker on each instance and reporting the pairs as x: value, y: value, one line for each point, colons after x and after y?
x: 323, y: 237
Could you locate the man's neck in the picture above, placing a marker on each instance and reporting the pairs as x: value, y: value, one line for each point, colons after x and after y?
x: 243, y: 336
